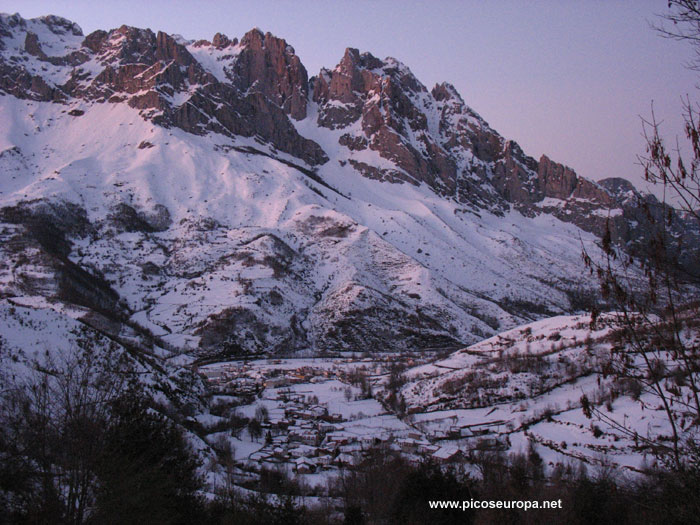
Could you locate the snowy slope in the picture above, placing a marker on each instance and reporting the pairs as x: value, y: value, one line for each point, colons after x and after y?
x: 200, y: 191
x: 205, y: 201
x: 525, y: 385
x: 240, y: 226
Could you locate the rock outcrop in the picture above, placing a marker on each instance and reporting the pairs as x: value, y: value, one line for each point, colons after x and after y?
x: 268, y: 65
x: 434, y: 138
x: 426, y: 137
x: 157, y: 75
x: 389, y: 103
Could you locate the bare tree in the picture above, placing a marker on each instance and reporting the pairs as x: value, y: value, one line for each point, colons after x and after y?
x: 682, y: 22
x: 53, y: 417
x: 654, y: 286
x: 79, y: 431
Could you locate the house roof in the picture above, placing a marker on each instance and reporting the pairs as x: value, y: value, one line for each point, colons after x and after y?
x: 446, y: 452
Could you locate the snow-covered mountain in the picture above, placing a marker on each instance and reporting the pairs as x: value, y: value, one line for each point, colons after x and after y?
x: 211, y: 199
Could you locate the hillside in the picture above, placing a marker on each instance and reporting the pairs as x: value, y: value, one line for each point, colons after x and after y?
x: 214, y: 195
x: 261, y: 294
x: 525, y: 385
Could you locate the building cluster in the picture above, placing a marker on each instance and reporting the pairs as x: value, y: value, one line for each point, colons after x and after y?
x: 303, y: 436
x: 309, y: 439
x: 240, y: 378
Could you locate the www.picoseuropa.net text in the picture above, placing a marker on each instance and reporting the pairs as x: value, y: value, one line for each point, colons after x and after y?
x: 497, y: 504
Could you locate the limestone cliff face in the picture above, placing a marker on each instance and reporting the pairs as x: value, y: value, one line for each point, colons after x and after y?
x: 257, y: 87
x: 264, y: 252
x: 267, y: 64
x: 434, y: 138
x: 515, y: 176
x: 388, y: 101
x: 571, y: 198
x: 155, y: 73
x: 561, y: 182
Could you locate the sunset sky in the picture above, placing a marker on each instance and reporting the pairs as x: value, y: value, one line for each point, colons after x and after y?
x: 569, y: 79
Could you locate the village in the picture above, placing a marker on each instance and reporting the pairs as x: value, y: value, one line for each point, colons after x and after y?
x: 315, y: 417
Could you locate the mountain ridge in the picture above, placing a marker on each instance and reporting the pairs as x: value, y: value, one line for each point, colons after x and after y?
x: 236, y: 206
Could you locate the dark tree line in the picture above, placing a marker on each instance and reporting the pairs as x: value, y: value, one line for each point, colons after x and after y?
x: 80, y: 442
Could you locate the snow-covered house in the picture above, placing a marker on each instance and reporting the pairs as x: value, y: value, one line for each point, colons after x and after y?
x: 447, y: 454
x: 344, y: 460
x: 304, y: 465
x: 302, y: 451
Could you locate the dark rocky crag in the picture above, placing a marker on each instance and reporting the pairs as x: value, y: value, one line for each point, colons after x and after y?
x: 460, y: 157
x: 432, y: 137
x: 147, y: 70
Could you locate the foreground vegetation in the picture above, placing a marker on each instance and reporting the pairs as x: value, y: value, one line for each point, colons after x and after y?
x: 135, y: 467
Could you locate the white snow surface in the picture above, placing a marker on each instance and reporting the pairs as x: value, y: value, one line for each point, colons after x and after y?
x: 396, y: 238
x: 234, y: 216
x: 525, y: 386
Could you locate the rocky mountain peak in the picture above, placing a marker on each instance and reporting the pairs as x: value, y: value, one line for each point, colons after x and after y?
x: 399, y: 119
x: 269, y: 65
x: 445, y: 92
x: 253, y: 88
x: 348, y: 64
x: 294, y: 235
x: 60, y: 26
x: 157, y: 74
x: 167, y: 48
x: 255, y: 37
x: 353, y: 60
x: 95, y: 40
x: 55, y: 24
x: 621, y: 188
x: 221, y: 41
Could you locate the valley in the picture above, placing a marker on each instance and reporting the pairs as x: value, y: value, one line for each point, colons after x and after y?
x: 299, y: 283
x: 518, y: 390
